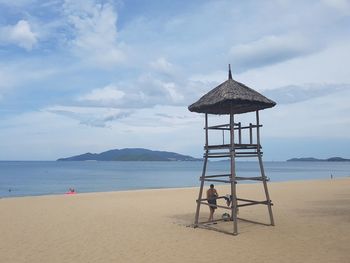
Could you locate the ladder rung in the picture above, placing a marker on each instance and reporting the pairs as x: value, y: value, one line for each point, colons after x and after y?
x: 237, y: 178
x: 206, y: 222
x: 227, y: 126
x: 219, y: 126
x: 215, y: 180
x: 218, y: 146
x: 236, y: 146
x: 246, y: 153
x: 218, y: 156
x: 246, y: 200
x: 218, y: 153
x: 206, y: 199
x: 210, y: 155
x: 221, y: 206
x: 246, y: 156
x: 251, y: 178
x: 216, y: 175
x: 241, y: 205
x: 255, y: 203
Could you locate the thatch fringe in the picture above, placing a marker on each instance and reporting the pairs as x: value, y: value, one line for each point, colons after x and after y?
x: 231, y: 97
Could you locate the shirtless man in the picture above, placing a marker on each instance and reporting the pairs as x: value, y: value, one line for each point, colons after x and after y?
x: 212, y: 194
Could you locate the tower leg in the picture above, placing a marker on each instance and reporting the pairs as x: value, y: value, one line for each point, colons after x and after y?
x: 200, y: 191
x: 262, y: 169
x: 203, y: 172
x: 233, y: 177
x: 265, y: 188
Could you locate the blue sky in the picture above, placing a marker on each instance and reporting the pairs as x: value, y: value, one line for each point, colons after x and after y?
x: 82, y: 76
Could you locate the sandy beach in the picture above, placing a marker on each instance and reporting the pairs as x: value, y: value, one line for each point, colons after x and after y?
x: 312, y: 225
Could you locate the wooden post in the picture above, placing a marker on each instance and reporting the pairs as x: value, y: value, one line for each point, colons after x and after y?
x: 262, y: 170
x: 250, y: 133
x: 203, y: 172
x: 240, y: 133
x: 233, y: 175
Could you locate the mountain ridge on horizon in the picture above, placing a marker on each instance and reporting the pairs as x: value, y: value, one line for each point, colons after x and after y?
x: 130, y: 154
x: 312, y: 159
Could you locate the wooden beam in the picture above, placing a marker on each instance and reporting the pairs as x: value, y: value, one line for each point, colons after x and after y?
x: 227, y: 128
x: 233, y: 175
x: 246, y: 200
x: 219, y: 126
x: 215, y: 180
x: 253, y: 203
x: 206, y: 199
x: 227, y: 146
x: 220, y: 206
x: 246, y: 156
x: 208, y: 222
x: 241, y: 178
x: 251, y: 133
x: 263, y: 173
x: 218, y: 156
x: 216, y: 175
x: 239, y: 133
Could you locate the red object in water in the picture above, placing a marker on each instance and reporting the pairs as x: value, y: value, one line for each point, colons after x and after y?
x: 71, y: 191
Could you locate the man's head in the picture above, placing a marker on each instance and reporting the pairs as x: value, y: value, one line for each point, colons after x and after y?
x: 211, y: 186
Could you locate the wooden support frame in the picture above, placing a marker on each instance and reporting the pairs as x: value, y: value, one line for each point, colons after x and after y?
x: 233, y: 176
x: 263, y: 171
x: 232, y: 151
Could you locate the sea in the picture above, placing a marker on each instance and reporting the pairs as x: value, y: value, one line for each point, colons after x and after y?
x: 35, y: 178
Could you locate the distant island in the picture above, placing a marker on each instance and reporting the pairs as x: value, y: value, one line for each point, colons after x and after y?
x: 131, y: 154
x: 311, y: 159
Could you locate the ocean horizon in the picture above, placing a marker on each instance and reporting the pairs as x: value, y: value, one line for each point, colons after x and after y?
x: 35, y: 178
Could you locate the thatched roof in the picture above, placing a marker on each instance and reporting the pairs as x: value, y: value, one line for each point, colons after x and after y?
x: 231, y: 97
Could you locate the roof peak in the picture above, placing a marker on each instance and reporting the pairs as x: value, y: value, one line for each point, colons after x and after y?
x: 231, y: 97
x: 229, y: 72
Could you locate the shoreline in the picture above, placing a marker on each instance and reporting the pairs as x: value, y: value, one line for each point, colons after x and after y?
x: 172, y: 188
x: 40, y: 179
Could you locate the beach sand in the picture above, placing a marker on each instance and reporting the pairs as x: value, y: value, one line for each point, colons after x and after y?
x: 312, y: 225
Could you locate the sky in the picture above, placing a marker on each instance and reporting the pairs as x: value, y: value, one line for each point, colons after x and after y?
x: 81, y: 76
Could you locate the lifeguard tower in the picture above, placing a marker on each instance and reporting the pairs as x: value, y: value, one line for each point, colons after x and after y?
x: 230, y: 98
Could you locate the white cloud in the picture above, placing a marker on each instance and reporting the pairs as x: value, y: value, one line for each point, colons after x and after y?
x: 322, y: 117
x: 155, y: 91
x: 270, y: 49
x: 145, y: 92
x: 295, y: 94
x: 342, y: 6
x: 216, y: 76
x: 94, y: 32
x: 21, y: 75
x: 176, y: 57
x: 174, y: 94
x: 55, y: 134
x: 17, y: 3
x: 109, y: 95
x: 162, y: 65
x: 19, y: 34
x: 328, y: 66
x: 91, y: 116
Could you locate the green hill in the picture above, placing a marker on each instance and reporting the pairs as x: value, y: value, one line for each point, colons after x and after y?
x: 311, y: 159
x: 130, y: 154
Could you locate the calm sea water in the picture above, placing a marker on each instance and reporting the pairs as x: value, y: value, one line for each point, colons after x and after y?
x: 43, y: 178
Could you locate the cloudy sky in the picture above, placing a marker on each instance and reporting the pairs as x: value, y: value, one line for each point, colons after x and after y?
x: 82, y: 76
